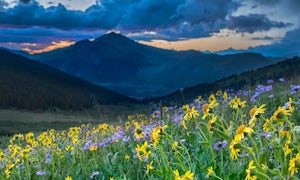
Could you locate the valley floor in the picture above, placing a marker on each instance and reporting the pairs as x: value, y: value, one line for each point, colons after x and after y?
x: 17, y: 121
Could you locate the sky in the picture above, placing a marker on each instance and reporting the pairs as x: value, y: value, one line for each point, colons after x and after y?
x: 270, y: 27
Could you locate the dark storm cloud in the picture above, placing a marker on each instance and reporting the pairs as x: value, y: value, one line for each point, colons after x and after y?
x: 289, y: 6
x: 24, y: 1
x: 2, y: 4
x: 267, y: 2
x: 287, y: 47
x: 171, y: 19
x: 38, y: 34
x: 254, y: 22
x: 176, y: 18
x: 33, y: 14
x: 263, y: 38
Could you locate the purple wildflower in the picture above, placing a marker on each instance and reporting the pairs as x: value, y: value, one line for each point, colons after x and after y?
x: 177, y: 119
x: 259, y: 90
x: 262, y: 88
x: 254, y: 97
x: 198, y: 107
x: 94, y: 174
x: 287, y: 107
x: 41, y: 173
x: 244, y: 155
x: 126, y: 139
x: 21, y: 166
x: 281, y: 79
x: 87, y: 145
x: 105, y: 142
x: 117, y: 136
x: 265, y: 134
x: 294, y: 88
x: 270, y: 81
x: 293, y: 92
x: 48, y: 158
x: 220, y: 145
x: 247, y: 93
x: 271, y: 96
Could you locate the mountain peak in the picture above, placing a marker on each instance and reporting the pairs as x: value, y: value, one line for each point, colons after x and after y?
x: 115, y: 39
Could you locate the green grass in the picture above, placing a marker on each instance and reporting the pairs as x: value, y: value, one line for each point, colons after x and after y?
x: 175, y: 143
x: 16, y: 121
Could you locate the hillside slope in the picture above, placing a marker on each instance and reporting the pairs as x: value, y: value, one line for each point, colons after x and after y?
x: 26, y: 84
x: 287, y: 69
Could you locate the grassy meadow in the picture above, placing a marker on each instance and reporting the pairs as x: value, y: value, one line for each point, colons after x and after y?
x: 245, y: 134
x: 23, y: 121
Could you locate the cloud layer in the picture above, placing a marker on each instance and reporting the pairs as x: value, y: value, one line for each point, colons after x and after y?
x: 170, y: 20
x: 176, y: 18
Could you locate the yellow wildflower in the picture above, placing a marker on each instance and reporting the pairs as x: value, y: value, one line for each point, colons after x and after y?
x: 263, y: 167
x: 165, y: 108
x: 191, y: 113
x: 188, y: 175
x: 138, y: 132
x: 225, y: 96
x: 219, y: 93
x: 241, y: 130
x: 200, y: 99
x: 210, y: 172
x: 1, y: 155
x: 294, y: 164
x: 283, y: 133
x: 291, y: 107
x: 185, y: 107
x: 142, y: 151
x: 211, y: 122
x: 183, y: 124
x: 254, y: 114
x: 212, y: 98
x: 176, y: 173
x: 234, y: 150
x: 286, y: 149
x: 207, y: 109
x: 267, y: 125
x: 127, y: 157
x: 155, y: 134
x: 280, y: 114
x: 174, y: 145
x: 8, y: 169
x: 127, y: 126
x: 93, y: 147
x: 68, y: 178
x: 248, y: 171
x: 149, y: 167
x: 236, y: 103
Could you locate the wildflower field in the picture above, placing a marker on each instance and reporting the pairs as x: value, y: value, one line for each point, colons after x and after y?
x: 227, y: 135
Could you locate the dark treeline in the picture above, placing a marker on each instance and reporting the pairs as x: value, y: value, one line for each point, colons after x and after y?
x: 26, y: 84
x: 287, y: 69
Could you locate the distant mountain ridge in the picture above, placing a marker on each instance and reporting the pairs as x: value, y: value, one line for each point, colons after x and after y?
x: 287, y: 69
x: 27, y: 84
x: 123, y: 65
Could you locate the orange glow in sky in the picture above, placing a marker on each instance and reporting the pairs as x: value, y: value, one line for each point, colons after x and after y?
x: 54, y: 45
x: 216, y: 42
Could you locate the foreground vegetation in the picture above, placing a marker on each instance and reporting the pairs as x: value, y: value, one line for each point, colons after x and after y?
x: 228, y: 135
